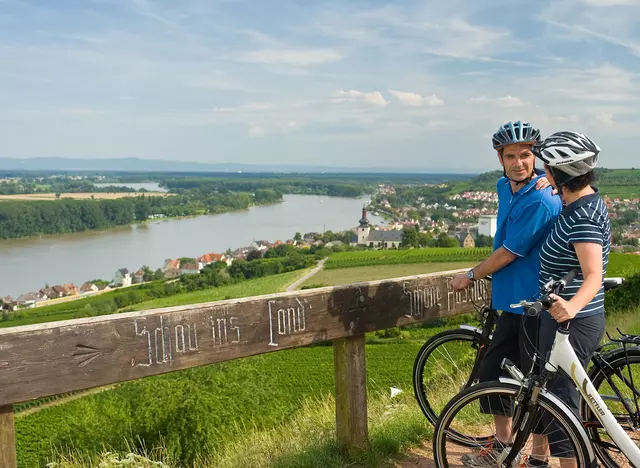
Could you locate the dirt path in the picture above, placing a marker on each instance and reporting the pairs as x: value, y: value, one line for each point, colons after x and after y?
x: 293, y: 286
x: 419, y: 457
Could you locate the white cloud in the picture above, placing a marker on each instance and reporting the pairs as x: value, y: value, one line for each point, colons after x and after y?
x: 416, y: 100
x: 608, y: 3
x: 296, y: 57
x: 605, y: 119
x: 505, y: 101
x: 374, y: 98
x: 256, y: 131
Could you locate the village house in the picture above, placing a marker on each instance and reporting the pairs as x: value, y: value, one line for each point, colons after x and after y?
x: 466, y: 240
x: 9, y: 304
x: 49, y: 292
x: 122, y: 277
x: 189, y: 269
x: 59, y: 290
x: 71, y: 289
x: 28, y: 300
x: 138, y: 277
x: 209, y: 258
x: 88, y: 288
x: 376, y: 239
x: 170, y: 264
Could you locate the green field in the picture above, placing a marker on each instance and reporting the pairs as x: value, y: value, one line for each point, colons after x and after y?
x: 390, y: 257
x: 376, y: 272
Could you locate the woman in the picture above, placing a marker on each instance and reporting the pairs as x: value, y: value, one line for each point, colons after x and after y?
x: 580, y: 239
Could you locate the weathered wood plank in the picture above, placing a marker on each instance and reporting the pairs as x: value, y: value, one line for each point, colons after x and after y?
x: 48, y: 359
x: 7, y: 438
x: 351, y: 393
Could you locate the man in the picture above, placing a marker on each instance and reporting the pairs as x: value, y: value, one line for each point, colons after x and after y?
x: 525, y: 218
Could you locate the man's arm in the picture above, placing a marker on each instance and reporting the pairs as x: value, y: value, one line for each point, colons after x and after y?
x: 499, y: 259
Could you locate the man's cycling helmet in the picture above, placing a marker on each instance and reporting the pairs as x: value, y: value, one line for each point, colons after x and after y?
x: 515, y: 132
x: 572, y: 153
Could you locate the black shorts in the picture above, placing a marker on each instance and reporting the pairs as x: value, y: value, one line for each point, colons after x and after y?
x: 515, y: 338
x: 584, y: 335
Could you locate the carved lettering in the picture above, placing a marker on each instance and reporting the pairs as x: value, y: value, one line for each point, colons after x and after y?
x: 421, y: 299
x: 286, y: 321
x: 223, y: 326
x: 143, y: 332
x: 472, y: 293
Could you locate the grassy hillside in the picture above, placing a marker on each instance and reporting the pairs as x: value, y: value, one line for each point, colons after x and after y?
x: 391, y: 257
x: 376, y: 272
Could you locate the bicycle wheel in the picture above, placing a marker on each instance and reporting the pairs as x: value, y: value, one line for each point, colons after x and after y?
x: 442, y: 368
x: 463, y: 415
x: 613, y: 383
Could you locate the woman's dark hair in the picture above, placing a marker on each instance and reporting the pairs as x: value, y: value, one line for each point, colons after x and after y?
x: 580, y: 182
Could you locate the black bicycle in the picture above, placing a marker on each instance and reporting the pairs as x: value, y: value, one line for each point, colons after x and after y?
x: 449, y: 361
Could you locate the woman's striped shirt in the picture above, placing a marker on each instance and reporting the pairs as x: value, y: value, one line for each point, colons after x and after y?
x: 585, y: 220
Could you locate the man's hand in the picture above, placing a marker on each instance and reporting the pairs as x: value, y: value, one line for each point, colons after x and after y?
x: 542, y: 183
x: 562, y: 310
x: 460, y: 282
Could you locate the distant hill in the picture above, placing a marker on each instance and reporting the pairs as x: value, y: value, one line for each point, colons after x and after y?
x: 157, y: 165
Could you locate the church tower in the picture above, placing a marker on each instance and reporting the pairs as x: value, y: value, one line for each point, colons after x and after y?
x: 364, y: 228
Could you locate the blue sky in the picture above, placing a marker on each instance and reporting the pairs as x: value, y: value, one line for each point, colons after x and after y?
x: 411, y: 84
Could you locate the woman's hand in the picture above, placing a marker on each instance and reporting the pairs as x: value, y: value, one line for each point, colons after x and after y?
x: 562, y: 310
x: 542, y: 183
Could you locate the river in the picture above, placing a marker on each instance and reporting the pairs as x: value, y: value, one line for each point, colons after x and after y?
x: 28, y: 264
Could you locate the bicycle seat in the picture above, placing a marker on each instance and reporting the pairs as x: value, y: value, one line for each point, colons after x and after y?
x: 612, y: 283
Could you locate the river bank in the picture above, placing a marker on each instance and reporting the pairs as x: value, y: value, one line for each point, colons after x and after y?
x: 29, y: 264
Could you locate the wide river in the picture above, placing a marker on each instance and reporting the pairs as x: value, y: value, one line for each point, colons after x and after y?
x: 29, y: 264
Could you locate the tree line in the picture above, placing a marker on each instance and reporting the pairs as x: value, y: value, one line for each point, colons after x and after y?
x: 32, y: 218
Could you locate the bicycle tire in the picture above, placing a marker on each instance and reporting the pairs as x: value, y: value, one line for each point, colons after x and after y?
x: 421, y: 392
x: 548, y: 402
x: 598, y: 376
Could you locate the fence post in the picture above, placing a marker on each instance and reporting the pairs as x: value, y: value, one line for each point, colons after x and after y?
x: 7, y: 438
x: 351, y: 392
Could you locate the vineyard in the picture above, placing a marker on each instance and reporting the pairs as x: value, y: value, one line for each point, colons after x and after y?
x: 197, y: 412
x: 391, y: 257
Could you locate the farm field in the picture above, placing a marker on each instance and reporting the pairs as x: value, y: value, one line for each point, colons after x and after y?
x: 337, y: 276
x: 390, y: 257
x: 81, y: 195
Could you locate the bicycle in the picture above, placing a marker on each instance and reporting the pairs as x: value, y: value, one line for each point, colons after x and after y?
x: 450, y: 360
x: 525, y: 399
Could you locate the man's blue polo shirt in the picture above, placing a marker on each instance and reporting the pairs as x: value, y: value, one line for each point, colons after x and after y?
x: 525, y: 218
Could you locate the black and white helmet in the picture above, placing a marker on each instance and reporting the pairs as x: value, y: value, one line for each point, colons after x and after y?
x: 573, y: 153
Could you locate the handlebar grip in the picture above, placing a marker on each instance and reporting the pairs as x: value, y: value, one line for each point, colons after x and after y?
x: 535, y: 309
x: 569, y: 277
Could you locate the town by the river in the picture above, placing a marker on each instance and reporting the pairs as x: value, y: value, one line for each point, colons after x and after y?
x: 29, y: 264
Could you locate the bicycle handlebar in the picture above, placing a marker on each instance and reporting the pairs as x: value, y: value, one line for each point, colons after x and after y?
x: 553, y: 286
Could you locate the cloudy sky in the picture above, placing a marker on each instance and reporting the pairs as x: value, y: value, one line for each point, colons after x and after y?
x: 412, y: 84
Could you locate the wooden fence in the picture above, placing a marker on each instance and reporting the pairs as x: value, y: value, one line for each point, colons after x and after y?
x: 52, y: 358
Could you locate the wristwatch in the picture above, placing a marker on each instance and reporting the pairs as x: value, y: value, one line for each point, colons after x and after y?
x: 470, y: 275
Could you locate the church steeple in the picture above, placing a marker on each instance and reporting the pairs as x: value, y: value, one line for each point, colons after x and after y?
x: 364, y: 222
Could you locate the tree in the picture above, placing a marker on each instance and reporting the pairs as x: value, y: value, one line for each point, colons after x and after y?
x: 58, y: 196
x: 254, y: 255
x: 484, y: 241
x: 409, y: 237
x: 147, y: 273
x: 159, y: 274
x: 445, y: 240
x: 297, y: 237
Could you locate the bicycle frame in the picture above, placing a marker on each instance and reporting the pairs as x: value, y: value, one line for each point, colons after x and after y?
x: 564, y: 357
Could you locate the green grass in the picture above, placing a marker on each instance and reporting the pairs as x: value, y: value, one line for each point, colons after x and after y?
x: 197, y: 412
x: 372, y: 273
x: 257, y: 287
x: 390, y: 257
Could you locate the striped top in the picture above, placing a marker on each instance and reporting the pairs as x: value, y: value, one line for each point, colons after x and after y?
x: 585, y: 220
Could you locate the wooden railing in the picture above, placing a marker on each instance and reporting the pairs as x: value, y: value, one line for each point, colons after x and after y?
x: 52, y: 358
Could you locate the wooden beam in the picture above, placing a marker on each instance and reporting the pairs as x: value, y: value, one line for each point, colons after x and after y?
x: 7, y: 438
x: 351, y: 393
x: 58, y: 357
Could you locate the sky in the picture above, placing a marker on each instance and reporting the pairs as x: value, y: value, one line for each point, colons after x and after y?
x: 410, y: 84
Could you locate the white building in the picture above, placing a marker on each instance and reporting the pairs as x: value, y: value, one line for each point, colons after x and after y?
x: 375, y: 239
x: 487, y: 225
